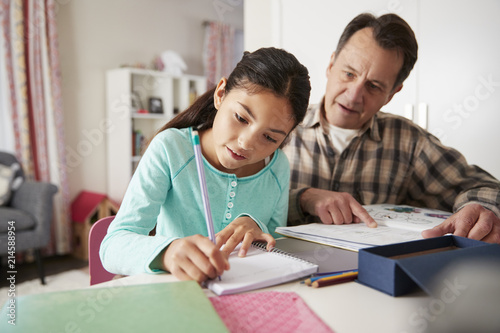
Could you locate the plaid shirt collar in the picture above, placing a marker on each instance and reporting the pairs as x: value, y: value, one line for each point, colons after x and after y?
x: 316, y: 118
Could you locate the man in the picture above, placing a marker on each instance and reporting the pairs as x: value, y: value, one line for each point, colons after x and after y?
x: 347, y: 153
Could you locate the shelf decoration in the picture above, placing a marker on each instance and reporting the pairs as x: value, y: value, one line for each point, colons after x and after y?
x: 171, y: 63
x: 155, y: 105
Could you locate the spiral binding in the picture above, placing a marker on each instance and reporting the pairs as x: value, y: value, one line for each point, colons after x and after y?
x: 262, y: 246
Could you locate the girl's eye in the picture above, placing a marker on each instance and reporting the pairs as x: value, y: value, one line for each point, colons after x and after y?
x: 240, y: 119
x: 268, y: 138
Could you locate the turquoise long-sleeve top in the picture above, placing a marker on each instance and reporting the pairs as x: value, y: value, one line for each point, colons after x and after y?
x: 165, y: 192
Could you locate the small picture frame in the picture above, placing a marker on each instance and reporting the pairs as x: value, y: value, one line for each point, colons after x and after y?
x: 136, y: 101
x: 155, y: 105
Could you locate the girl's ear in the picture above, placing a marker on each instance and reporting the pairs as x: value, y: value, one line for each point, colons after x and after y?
x: 219, y: 92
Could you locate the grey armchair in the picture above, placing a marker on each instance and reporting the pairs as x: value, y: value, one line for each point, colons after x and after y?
x: 31, y: 209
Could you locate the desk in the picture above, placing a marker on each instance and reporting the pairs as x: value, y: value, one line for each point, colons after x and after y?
x: 346, y: 308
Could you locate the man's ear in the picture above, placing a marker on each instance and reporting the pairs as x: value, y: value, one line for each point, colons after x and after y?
x: 396, y: 90
x: 330, y: 63
x: 220, y: 90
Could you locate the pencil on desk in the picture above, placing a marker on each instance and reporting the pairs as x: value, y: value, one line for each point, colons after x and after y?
x: 335, y: 280
x: 318, y: 276
x: 333, y: 277
x: 333, y: 273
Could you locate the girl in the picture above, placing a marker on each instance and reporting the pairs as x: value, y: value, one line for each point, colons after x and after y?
x: 241, y: 123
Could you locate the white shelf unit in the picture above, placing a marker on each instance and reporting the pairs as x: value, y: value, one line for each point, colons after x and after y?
x: 124, y: 88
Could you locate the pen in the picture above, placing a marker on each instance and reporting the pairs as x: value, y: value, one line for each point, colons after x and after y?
x: 335, y: 280
x: 203, y: 184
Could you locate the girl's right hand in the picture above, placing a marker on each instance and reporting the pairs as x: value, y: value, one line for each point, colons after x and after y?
x: 194, y: 258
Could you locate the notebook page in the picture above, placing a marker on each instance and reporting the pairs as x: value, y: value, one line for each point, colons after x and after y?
x: 259, y: 269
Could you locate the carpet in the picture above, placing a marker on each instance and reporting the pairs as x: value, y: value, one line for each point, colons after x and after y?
x: 73, y: 279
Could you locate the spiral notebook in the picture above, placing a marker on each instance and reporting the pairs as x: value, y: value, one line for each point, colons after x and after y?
x: 259, y: 269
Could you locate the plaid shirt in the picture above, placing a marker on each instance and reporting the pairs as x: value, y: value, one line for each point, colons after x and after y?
x: 392, y: 161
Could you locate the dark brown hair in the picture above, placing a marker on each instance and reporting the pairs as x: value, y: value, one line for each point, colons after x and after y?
x: 270, y: 69
x: 391, y: 32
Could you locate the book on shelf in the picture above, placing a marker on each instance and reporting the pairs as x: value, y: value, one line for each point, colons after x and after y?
x: 259, y: 269
x: 138, y: 140
x: 396, y: 224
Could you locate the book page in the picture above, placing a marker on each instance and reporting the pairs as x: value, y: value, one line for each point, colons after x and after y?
x: 349, y: 236
x: 396, y: 224
x: 406, y: 217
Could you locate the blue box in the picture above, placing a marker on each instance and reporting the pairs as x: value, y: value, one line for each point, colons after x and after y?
x: 398, y: 269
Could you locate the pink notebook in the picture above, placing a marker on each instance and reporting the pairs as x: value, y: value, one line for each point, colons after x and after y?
x: 268, y: 311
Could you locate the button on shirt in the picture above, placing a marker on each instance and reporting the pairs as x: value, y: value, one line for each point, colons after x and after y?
x: 232, y: 194
x: 391, y: 161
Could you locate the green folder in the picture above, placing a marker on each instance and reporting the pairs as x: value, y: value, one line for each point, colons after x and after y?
x: 159, y: 307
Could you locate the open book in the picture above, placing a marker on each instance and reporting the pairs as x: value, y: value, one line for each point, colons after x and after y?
x: 396, y: 224
x: 259, y: 269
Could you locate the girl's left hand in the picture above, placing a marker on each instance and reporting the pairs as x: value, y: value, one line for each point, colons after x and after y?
x: 242, y: 230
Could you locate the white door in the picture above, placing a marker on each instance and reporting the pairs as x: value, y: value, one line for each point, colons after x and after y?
x: 459, y: 76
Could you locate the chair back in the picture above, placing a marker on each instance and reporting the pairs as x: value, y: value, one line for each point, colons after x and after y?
x: 9, y: 159
x: 98, y: 273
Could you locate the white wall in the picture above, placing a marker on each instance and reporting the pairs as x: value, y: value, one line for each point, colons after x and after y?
x: 262, y: 24
x: 95, y: 36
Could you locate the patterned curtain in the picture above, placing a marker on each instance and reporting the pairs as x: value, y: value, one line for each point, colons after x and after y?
x: 32, y: 86
x: 218, y: 52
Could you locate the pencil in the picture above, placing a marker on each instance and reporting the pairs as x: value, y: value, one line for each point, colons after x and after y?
x: 333, y: 277
x: 332, y: 273
x: 203, y: 184
x: 318, y: 276
x: 334, y: 280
